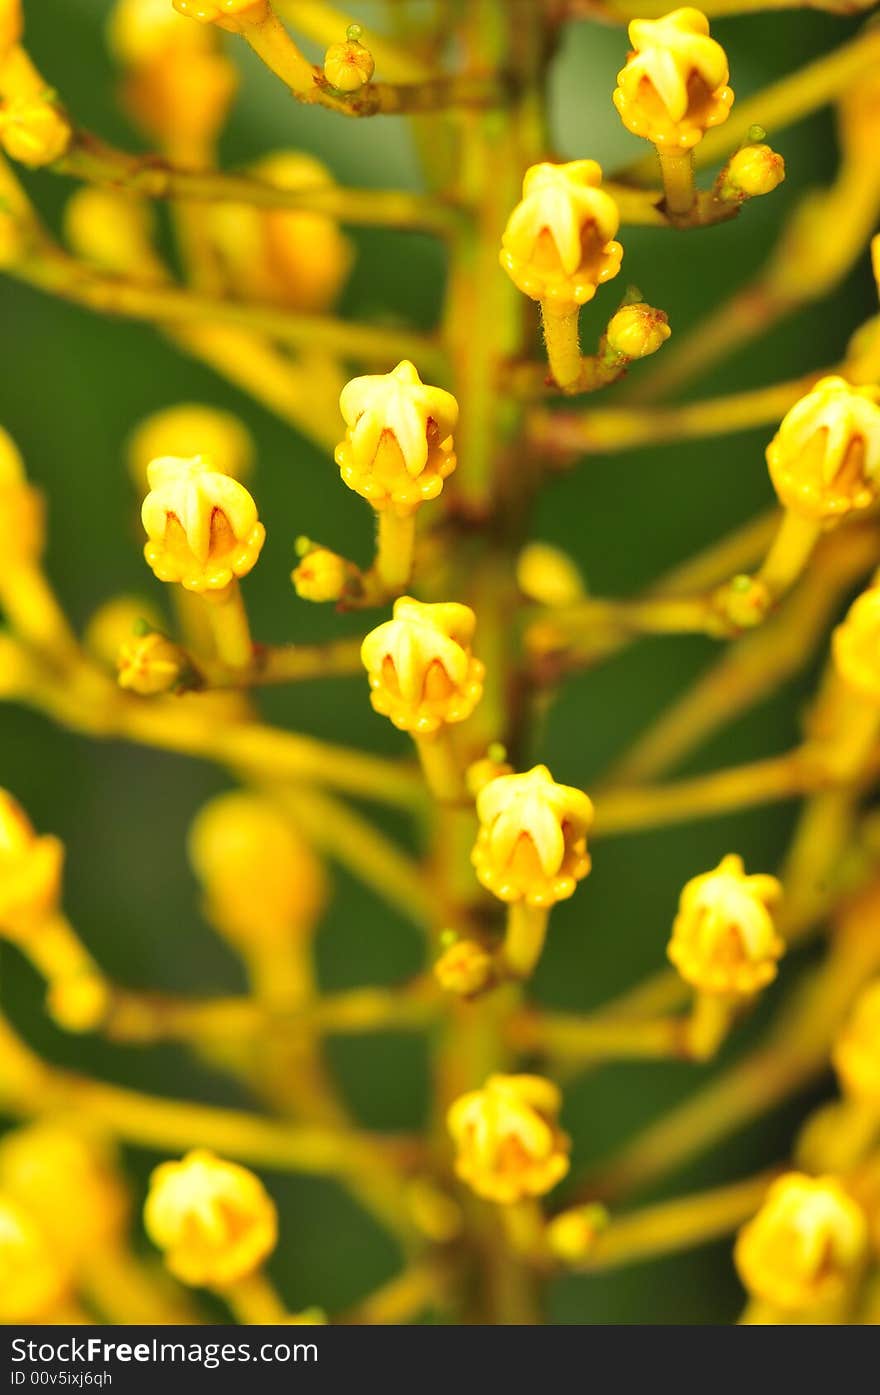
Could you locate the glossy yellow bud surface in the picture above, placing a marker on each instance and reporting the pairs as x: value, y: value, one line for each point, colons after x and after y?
x: 825, y: 458
x: 755, y: 170
x: 637, y: 331
x: 508, y: 1142
x: 202, y: 525
x: 532, y: 844
x: 674, y: 85
x: 398, y: 446
x: 422, y: 672
x: 322, y: 575
x: 349, y: 66
x: 559, y: 245
x: 724, y: 939
x: 33, y: 131
x: 806, y: 1244
x: 214, y: 1221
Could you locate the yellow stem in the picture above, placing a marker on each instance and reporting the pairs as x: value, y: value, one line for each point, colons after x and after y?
x: 791, y: 551
x: 33, y: 612
x: 441, y: 765
x: 229, y: 626
x: 710, y: 1021
x: 254, y: 1301
x: 563, y: 344
x: 524, y: 938
x: 677, y: 169
x: 395, y: 545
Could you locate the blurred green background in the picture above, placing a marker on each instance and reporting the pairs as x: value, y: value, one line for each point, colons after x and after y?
x: 71, y: 388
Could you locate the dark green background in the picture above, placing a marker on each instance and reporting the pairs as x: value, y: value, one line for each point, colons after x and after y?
x: 72, y: 386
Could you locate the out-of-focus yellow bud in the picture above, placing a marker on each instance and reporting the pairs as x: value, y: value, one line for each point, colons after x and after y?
x: 489, y: 767
x: 398, y: 447
x: 214, y: 1221
x: 572, y: 1234
x: 22, y: 514
x: 559, y: 245
x: 532, y: 844
x: 115, y: 623
x: 15, y: 668
x: 637, y: 331
x: 110, y: 228
x: 674, y: 85
x: 140, y: 31
x: 202, y: 525
x: 806, y: 1245
x: 34, y: 131
x: 754, y: 170
x: 825, y: 458
x: 855, y: 645
x: 724, y: 939
x: 188, y: 430
x: 30, y: 869
x: 856, y: 1051
x: 262, y: 882
x: 509, y: 1145
x: 78, y: 1002
x: 11, y: 24
x: 69, y: 1183
x: 33, y: 1279
x: 150, y: 664
x: 548, y: 575
x: 464, y: 968
x: 222, y: 12
x: 422, y: 672
x: 182, y: 98
x: 348, y: 67
x: 322, y: 575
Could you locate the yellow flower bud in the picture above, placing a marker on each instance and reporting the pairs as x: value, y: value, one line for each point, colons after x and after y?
x: 322, y: 575
x: 262, y: 882
x: 856, y: 1051
x: 464, y: 968
x: 22, y: 515
x: 674, y: 84
x: 637, y: 331
x: 305, y: 257
x: 489, y: 767
x: 855, y: 645
x: 559, y: 245
x: 509, y: 1145
x: 11, y: 24
x: 422, y: 672
x: 222, y: 12
x: 572, y: 1234
x: 34, y: 131
x: 548, y: 575
x: 214, y: 1220
x: 755, y: 170
x: 188, y: 430
x: 532, y: 844
x: 33, y: 1279
x: 805, y: 1246
x: 348, y: 67
x: 30, y: 870
x: 182, y: 98
x: 78, y: 1002
x: 825, y: 458
x: 69, y: 1183
x: 398, y: 446
x: 115, y: 623
x: 202, y: 525
x: 723, y: 938
x: 140, y: 31
x: 110, y: 228
x: 150, y: 664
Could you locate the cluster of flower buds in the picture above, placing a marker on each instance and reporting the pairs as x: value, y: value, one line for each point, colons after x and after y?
x: 724, y: 940
x: 508, y: 1142
x: 422, y: 671
x: 558, y: 246
x: 806, y: 1246
x: 202, y: 526
x: 213, y: 1220
x: 673, y: 87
